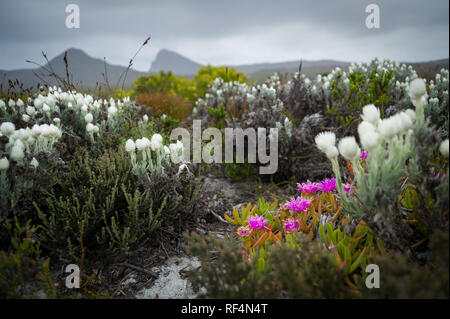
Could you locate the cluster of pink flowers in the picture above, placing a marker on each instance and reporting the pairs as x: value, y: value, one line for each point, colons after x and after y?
x: 299, y: 204
x: 364, y: 155
x: 308, y: 187
x: 328, y: 185
x: 256, y: 222
x: 291, y: 225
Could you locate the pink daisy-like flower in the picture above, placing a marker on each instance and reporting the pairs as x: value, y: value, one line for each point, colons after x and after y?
x: 308, y: 187
x: 347, y: 188
x: 256, y: 222
x: 290, y: 225
x: 299, y: 204
x: 364, y: 155
x: 243, y: 231
x: 328, y: 185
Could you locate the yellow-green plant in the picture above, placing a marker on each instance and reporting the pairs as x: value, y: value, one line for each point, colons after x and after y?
x: 206, y: 76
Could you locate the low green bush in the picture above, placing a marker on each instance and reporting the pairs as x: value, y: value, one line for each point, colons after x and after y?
x: 23, y: 272
x: 296, y: 269
x: 96, y: 204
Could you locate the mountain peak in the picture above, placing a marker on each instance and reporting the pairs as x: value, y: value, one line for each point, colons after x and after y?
x: 167, y: 60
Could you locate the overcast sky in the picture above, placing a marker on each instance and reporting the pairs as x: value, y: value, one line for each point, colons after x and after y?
x: 225, y: 31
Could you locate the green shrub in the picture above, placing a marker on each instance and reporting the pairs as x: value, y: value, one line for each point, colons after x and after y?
x: 206, y: 76
x: 296, y: 269
x: 347, y: 100
x: 21, y: 185
x: 100, y: 204
x: 96, y: 204
x: 400, y: 278
x: 23, y: 272
x: 165, y: 82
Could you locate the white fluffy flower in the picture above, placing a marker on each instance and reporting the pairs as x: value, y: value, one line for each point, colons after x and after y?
x: 417, y: 92
x: 24, y: 134
x: 17, y: 153
x: 332, y: 152
x: 45, y: 108
x: 57, y: 120
x: 417, y: 89
x: 34, y: 163
x: 411, y: 114
x: 96, y: 129
x: 388, y: 128
x: 25, y: 118
x: 364, y: 127
x: 36, y: 130
x: 19, y: 143
x: 141, y: 144
x: 90, y: 128
x: 19, y: 103
x: 181, y: 168
x: 369, y: 140
x: 130, y: 146
x: 112, y: 110
x: 325, y: 140
x: 156, y: 142
x: 54, y: 131
x: 371, y: 114
x: 145, y: 118
x: 11, y: 103
x: 4, y: 164
x: 7, y: 128
x: 2, y: 104
x: 349, y: 149
x: 404, y: 122
x: 88, y: 118
x: 146, y: 142
x: 85, y: 108
x: 443, y: 148
x: 30, y: 110
x: 39, y: 101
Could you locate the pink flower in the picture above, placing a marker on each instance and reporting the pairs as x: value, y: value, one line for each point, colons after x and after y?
x: 347, y: 188
x: 299, y: 204
x: 308, y: 187
x: 328, y: 185
x: 290, y: 225
x: 364, y: 155
x: 256, y: 222
x: 243, y: 231
x: 440, y: 175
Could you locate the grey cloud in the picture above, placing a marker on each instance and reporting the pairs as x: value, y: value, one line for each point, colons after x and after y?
x: 116, y: 28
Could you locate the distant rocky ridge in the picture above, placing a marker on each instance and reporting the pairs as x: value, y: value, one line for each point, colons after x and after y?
x: 171, y: 61
x: 87, y: 71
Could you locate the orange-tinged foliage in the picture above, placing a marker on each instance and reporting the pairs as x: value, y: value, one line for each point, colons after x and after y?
x: 164, y: 103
